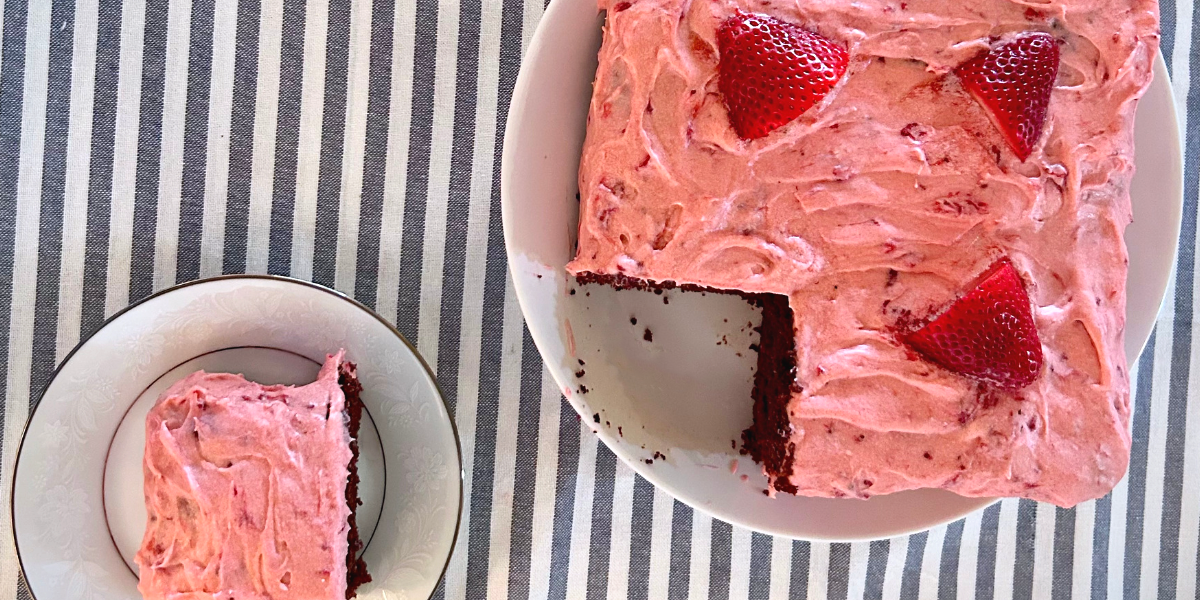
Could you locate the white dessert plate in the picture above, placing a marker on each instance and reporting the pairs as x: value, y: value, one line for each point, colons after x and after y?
x: 683, y: 389
x: 78, y: 511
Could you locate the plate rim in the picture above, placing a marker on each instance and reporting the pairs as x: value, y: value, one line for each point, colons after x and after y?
x: 515, y: 121
x: 1175, y: 138
x: 12, y: 508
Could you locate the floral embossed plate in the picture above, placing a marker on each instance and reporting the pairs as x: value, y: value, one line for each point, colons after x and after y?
x: 78, y: 511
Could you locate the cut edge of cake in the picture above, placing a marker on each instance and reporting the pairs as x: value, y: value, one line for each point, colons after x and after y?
x: 356, y: 567
x: 767, y: 440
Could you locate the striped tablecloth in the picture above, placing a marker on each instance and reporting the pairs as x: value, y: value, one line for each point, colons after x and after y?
x: 357, y: 143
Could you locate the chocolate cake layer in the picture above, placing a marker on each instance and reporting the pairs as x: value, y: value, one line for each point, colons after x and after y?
x: 767, y: 440
x: 356, y: 568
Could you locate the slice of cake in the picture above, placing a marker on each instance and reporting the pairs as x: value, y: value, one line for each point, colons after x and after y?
x: 927, y: 199
x: 251, y: 489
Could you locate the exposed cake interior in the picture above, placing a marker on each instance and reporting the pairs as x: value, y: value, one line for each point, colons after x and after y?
x: 356, y: 567
x: 251, y: 489
x: 767, y: 440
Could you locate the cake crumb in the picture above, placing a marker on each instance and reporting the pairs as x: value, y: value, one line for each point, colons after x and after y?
x: 633, y: 320
x: 580, y: 373
x: 928, y: 456
x: 620, y: 432
x: 916, y: 131
x: 583, y: 389
x: 571, y: 291
x: 648, y: 335
x: 596, y: 417
x: 649, y: 461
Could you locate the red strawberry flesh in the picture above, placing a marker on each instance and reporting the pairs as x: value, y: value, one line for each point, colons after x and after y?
x: 1013, y: 82
x: 772, y: 71
x: 988, y: 334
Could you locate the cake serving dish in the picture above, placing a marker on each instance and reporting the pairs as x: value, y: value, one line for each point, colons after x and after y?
x: 664, y: 376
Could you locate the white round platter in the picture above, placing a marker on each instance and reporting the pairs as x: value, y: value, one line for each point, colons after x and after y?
x: 682, y: 395
x: 78, y: 510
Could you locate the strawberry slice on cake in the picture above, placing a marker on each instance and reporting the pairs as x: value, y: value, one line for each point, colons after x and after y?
x: 1013, y: 81
x: 988, y: 334
x: 772, y: 71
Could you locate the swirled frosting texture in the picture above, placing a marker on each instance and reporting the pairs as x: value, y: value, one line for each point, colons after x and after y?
x: 873, y: 210
x: 245, y: 490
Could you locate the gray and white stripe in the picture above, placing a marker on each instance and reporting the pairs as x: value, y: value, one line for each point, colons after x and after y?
x: 357, y: 143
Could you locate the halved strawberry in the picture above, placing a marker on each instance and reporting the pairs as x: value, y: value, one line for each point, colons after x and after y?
x: 988, y: 334
x: 1013, y: 81
x: 771, y: 71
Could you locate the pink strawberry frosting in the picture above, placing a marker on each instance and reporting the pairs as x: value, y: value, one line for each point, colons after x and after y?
x: 874, y: 209
x: 245, y: 490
